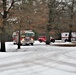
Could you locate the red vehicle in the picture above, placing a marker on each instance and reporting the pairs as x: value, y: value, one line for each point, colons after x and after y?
x: 26, y: 37
x: 43, y: 39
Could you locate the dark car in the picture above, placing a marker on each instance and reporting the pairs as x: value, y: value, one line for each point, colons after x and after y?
x: 52, y: 39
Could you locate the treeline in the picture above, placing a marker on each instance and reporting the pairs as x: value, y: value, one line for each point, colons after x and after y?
x: 37, y: 14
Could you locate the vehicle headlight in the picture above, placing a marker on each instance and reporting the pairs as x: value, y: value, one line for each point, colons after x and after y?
x: 32, y: 39
x: 23, y: 40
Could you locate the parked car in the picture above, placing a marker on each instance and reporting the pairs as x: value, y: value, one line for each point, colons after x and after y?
x: 52, y: 39
x: 42, y: 39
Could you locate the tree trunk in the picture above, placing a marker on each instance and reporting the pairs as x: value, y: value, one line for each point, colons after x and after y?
x: 48, y: 39
x: 19, y: 40
x: 3, y: 46
x: 69, y: 38
x: 3, y: 43
x: 3, y: 37
x: 4, y: 17
x: 3, y: 27
x: 47, y: 35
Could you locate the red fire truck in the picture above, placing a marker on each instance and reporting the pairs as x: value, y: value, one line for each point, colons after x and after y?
x: 26, y: 37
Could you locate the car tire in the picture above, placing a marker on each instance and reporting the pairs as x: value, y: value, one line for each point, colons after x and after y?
x: 66, y: 40
x: 40, y: 41
x: 32, y: 44
x: 53, y: 40
x: 47, y: 42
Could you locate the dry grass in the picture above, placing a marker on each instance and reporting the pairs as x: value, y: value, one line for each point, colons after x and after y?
x: 66, y: 45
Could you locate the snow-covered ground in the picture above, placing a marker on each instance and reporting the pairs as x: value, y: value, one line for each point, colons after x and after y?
x: 40, y: 59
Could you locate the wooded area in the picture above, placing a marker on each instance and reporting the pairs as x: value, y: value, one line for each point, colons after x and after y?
x: 54, y: 16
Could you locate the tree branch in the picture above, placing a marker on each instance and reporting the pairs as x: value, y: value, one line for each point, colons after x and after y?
x: 1, y: 14
x: 10, y: 6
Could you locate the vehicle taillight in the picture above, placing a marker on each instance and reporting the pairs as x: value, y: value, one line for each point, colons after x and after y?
x: 22, y: 39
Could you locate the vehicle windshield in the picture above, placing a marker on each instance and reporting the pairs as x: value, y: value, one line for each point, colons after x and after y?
x: 22, y: 35
x: 42, y: 36
x: 14, y: 36
x: 29, y: 34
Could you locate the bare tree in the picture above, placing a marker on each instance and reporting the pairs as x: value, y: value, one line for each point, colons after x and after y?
x: 68, y: 10
x: 4, y: 18
x: 52, y: 8
x: 72, y: 9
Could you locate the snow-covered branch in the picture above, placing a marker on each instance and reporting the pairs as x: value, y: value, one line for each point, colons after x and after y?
x: 10, y: 6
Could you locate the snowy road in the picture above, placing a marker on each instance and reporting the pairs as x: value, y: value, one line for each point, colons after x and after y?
x: 38, y: 60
